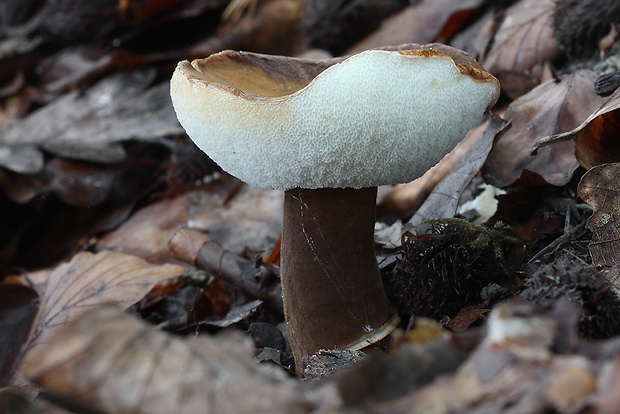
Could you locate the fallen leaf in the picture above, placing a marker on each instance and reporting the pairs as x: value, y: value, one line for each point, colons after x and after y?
x: 523, y: 44
x: 211, y: 301
x: 335, y: 25
x: 571, y: 384
x: 253, y: 217
x: 89, y: 280
x: 233, y: 316
x: 9, y: 111
x: 425, y: 331
x: 476, y: 38
x: 599, y: 187
x: 381, y: 378
x: 147, y: 232
x: 596, y: 139
x: 551, y: 107
x: 111, y: 362
x: 80, y: 66
x: 266, y: 26
x: 47, y: 215
x: 468, y: 315
x: 18, y: 307
x: 53, y: 20
x: 89, y: 125
x: 422, y: 22
x: 274, y: 256
x: 76, y: 184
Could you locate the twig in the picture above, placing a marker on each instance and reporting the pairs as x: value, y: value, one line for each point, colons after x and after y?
x: 557, y: 242
x: 252, y: 278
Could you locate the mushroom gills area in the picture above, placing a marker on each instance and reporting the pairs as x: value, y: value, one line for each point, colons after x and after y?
x: 333, y: 294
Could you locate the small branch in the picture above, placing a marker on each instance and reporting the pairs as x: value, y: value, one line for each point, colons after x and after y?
x: 252, y: 278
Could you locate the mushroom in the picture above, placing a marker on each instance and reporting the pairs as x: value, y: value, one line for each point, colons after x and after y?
x: 328, y: 133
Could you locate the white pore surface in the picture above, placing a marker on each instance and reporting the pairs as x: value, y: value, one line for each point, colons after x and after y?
x: 377, y: 118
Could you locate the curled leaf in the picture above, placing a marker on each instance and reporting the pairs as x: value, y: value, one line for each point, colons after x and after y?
x: 550, y: 108
x: 596, y: 139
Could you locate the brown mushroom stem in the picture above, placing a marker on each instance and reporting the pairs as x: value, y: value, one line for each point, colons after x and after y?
x: 333, y: 294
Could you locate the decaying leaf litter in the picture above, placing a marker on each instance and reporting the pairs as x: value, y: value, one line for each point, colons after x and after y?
x: 105, y: 200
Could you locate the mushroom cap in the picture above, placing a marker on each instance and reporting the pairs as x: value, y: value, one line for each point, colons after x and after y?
x: 378, y: 117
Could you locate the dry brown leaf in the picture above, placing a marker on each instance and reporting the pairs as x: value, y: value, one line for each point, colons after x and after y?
x: 422, y: 22
x: 549, y: 108
x: 147, y: 231
x: 596, y: 139
x: 89, y: 280
x: 476, y: 38
x: 599, y: 187
x: 468, y: 315
x: 266, y: 26
x: 523, y: 44
x: 89, y: 124
x: 110, y: 362
x: 252, y: 217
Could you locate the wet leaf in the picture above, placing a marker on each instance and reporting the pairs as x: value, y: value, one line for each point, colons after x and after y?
x: 89, y: 280
x: 596, y: 139
x: 551, y: 107
x: 600, y: 188
x: 109, y: 361
x: 523, y: 44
